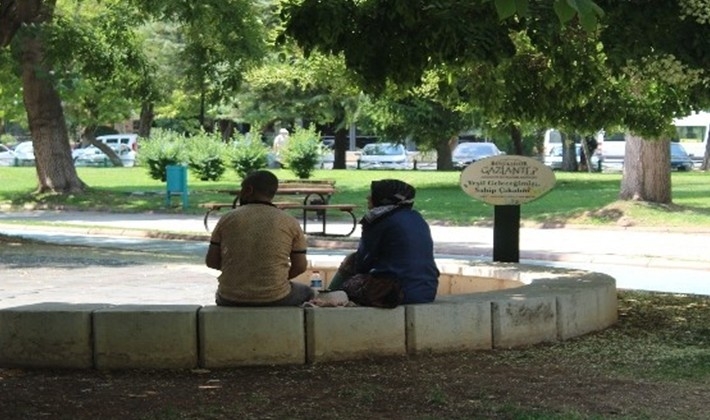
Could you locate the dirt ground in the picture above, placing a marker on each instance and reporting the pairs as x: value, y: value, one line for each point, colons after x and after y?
x: 446, y: 386
x: 557, y: 380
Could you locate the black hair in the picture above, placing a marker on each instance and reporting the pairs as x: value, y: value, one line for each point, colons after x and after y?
x: 264, y: 183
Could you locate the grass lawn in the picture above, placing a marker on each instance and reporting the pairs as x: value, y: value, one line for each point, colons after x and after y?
x: 577, y: 198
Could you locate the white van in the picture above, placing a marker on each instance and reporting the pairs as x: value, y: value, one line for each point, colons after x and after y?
x: 115, y: 140
x: 125, y: 146
x: 612, y: 149
x: 693, y: 133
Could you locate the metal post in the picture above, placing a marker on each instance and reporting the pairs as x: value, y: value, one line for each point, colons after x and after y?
x: 506, y: 234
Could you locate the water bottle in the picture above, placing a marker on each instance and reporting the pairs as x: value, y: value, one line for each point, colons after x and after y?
x: 316, y: 282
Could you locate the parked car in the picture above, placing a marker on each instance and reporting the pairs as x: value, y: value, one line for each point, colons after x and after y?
x: 680, y: 159
x: 554, y: 158
x: 384, y: 156
x: 93, y: 156
x: 24, y: 154
x: 7, y: 156
x: 467, y: 153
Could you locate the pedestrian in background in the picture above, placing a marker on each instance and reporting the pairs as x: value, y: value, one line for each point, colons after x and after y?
x: 280, y: 143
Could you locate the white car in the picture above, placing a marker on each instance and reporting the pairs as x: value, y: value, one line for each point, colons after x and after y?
x: 383, y: 156
x: 24, y: 154
x: 93, y: 156
x: 7, y: 156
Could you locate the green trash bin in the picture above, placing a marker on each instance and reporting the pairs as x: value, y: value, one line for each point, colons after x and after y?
x: 176, y: 184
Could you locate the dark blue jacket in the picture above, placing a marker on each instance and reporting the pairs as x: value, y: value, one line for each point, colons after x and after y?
x: 399, y: 245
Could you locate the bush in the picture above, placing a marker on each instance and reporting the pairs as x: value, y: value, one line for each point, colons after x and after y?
x: 303, y: 152
x: 163, y: 148
x: 247, y: 153
x: 205, y: 154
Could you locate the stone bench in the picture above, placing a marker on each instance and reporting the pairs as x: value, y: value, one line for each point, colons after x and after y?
x: 479, y: 306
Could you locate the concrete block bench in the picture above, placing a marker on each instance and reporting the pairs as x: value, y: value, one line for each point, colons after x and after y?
x: 145, y: 336
x: 479, y: 306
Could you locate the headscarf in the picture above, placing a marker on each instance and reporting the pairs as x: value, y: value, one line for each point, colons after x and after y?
x: 387, y: 196
x: 391, y: 192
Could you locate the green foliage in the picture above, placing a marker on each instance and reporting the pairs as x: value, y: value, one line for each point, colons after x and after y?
x: 409, y: 37
x: 205, y: 153
x: 11, y: 104
x: 7, y: 139
x: 247, y: 153
x: 162, y: 149
x: 303, y: 152
x: 220, y: 40
x: 100, y: 68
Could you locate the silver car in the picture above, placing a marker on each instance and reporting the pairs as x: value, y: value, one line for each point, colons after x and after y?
x: 466, y: 153
x: 384, y: 156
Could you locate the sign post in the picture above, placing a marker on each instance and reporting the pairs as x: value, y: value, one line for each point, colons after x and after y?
x: 506, y: 182
x: 506, y: 233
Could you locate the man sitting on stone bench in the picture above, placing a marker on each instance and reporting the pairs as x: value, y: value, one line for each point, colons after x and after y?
x: 259, y: 248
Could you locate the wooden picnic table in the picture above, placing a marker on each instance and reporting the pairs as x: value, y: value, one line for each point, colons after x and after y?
x: 323, y: 192
x: 310, y: 190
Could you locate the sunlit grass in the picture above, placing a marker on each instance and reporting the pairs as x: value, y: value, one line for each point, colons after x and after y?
x: 577, y: 198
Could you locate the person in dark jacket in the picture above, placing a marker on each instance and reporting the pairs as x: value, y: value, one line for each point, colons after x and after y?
x: 396, y: 244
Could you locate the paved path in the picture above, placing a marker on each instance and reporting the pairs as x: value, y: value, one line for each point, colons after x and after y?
x: 636, y: 254
x: 649, y: 248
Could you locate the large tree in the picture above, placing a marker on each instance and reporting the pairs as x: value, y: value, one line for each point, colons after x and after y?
x: 515, y: 72
x: 431, y: 114
x: 24, y: 26
x: 222, y: 40
x: 107, y: 76
x: 413, y: 36
x: 660, y: 54
x: 75, y: 54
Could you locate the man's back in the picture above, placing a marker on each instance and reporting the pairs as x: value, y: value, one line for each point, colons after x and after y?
x: 256, y: 241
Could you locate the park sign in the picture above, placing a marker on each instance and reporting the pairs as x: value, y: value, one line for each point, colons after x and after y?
x: 507, y: 180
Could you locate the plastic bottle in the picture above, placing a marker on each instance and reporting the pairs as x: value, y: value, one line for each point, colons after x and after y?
x: 316, y: 282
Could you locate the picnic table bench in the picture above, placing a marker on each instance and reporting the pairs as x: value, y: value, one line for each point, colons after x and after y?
x: 316, y: 199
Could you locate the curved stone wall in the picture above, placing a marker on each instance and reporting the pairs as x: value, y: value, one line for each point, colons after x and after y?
x: 480, y: 306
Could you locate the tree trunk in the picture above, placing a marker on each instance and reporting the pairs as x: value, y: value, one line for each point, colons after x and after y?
x: 340, y: 148
x: 55, y: 168
x: 88, y: 135
x: 226, y: 129
x: 517, y: 136
x: 146, y: 120
x: 585, y: 160
x: 705, y: 164
x: 647, y: 174
x: 443, y: 153
x: 569, y: 153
